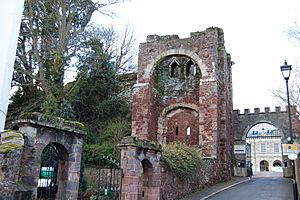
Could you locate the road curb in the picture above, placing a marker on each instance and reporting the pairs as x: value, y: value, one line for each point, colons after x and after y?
x: 225, y: 188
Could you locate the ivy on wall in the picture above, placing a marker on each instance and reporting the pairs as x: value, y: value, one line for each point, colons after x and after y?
x: 181, y: 158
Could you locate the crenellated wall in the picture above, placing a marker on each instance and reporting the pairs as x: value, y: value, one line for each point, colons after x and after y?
x: 278, y: 118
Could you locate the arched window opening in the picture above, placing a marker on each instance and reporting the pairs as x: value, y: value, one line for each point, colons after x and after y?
x: 190, y: 69
x: 174, y: 69
x: 188, y: 130
x: 277, y: 163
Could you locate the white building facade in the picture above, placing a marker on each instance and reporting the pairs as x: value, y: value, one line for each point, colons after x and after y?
x: 265, y: 149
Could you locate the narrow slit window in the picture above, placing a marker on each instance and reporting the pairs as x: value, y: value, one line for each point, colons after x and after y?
x: 177, y: 130
x: 188, y: 130
x: 187, y: 72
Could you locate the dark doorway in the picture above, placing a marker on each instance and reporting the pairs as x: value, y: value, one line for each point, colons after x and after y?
x: 47, y: 184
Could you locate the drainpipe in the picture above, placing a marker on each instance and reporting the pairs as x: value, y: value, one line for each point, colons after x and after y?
x: 11, y: 14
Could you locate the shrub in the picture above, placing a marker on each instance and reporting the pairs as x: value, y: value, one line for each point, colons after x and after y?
x: 182, y: 159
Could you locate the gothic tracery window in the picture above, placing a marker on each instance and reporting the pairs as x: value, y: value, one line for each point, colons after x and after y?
x: 182, y: 67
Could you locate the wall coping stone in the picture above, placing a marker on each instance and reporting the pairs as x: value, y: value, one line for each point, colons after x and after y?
x: 136, y: 142
x: 40, y: 119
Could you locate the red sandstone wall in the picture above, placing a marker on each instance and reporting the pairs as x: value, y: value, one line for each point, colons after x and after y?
x: 174, y: 187
x: 178, y: 125
x: 154, y: 111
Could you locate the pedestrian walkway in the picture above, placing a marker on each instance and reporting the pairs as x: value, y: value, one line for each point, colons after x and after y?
x: 267, y: 174
x: 211, y: 190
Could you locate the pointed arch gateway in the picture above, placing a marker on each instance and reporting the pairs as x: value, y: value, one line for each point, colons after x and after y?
x: 141, y: 169
x: 51, y: 156
x: 52, y: 171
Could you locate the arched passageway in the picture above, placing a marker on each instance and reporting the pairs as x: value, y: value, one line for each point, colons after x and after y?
x: 264, y: 140
x: 50, y: 166
x: 52, y: 171
x: 277, y: 163
x: 243, y: 122
x: 264, y: 166
x: 146, y: 179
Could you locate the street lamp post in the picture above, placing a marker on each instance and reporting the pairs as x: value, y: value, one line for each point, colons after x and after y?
x: 286, y: 72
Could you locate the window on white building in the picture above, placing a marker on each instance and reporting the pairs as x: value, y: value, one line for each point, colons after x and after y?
x: 276, y: 147
x: 263, y: 148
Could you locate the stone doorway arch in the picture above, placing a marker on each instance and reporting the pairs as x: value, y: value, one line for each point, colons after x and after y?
x: 146, y: 180
x: 52, y: 171
x: 140, y: 162
x: 65, y: 137
x: 264, y: 141
x: 277, y: 166
x: 277, y: 163
x: 264, y: 166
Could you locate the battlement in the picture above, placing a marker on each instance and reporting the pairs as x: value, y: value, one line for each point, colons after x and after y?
x: 157, y: 38
x: 211, y: 30
x: 266, y: 110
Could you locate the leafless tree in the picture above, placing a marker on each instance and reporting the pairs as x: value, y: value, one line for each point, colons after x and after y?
x: 49, y: 39
x: 119, y: 45
x: 293, y: 33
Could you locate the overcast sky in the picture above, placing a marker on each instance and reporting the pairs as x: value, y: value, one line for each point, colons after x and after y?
x: 255, y: 36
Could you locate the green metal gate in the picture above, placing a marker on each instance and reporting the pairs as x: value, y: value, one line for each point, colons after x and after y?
x: 109, y: 178
x: 47, y: 187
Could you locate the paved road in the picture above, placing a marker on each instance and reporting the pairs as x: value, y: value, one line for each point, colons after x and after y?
x: 260, y: 187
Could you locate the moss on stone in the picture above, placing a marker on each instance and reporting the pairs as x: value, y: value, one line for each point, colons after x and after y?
x: 12, y: 136
x: 8, y: 147
x: 11, y: 139
x: 146, y: 144
x: 56, y: 122
x: 81, y: 125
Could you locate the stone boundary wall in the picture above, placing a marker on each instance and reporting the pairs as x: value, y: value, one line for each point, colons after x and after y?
x: 11, y: 148
x: 174, y: 187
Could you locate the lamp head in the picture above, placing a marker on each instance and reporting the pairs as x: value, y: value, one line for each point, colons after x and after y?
x: 286, y: 70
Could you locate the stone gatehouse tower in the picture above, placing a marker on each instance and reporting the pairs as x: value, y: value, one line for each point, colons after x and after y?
x: 183, y: 94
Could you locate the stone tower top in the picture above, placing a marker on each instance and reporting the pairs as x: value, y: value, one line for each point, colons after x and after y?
x: 184, y: 90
